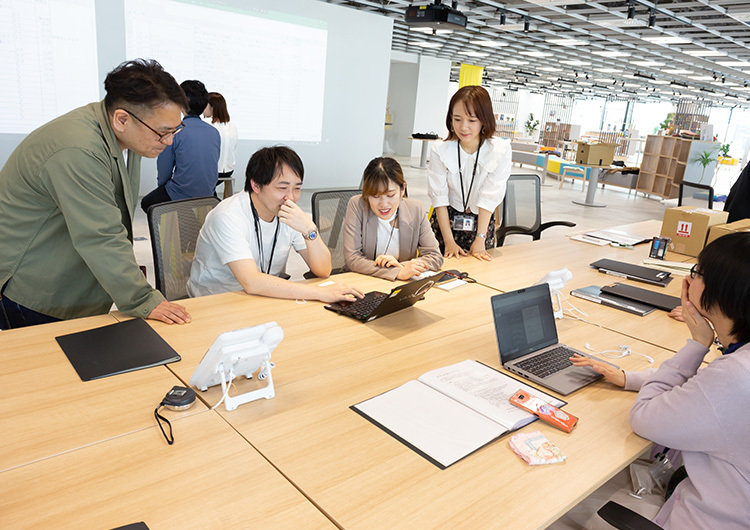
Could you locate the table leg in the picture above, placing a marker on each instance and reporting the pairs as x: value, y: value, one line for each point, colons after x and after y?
x: 423, y: 156
x: 545, y: 172
x: 591, y: 192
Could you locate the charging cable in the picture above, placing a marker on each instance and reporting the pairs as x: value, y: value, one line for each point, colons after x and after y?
x: 624, y: 351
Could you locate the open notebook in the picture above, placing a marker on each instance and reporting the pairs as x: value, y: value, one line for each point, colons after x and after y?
x: 448, y: 413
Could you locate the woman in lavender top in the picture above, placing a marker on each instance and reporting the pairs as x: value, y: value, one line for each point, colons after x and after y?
x: 703, y: 411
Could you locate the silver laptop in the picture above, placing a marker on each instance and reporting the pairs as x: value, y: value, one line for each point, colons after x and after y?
x: 527, y: 341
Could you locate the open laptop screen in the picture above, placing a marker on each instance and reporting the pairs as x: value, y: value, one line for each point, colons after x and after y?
x: 524, y: 321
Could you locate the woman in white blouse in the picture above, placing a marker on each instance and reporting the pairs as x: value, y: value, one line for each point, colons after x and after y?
x: 217, y: 111
x: 467, y: 176
x: 386, y: 234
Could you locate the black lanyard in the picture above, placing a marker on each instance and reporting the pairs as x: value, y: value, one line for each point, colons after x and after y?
x: 259, y: 235
x: 393, y: 226
x: 465, y: 198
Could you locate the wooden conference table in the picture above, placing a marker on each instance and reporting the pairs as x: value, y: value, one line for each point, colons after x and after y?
x: 348, y: 469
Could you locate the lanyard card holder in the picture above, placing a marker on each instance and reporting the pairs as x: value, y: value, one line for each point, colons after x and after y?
x: 463, y: 223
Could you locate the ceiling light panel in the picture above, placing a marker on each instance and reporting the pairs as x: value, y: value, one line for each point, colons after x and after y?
x: 489, y: 43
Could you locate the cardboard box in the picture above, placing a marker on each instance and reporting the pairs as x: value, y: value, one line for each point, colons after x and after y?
x: 596, y: 154
x: 688, y: 226
x: 743, y: 225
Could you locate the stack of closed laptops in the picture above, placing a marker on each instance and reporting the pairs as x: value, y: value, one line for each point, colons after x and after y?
x: 627, y: 298
x: 633, y: 272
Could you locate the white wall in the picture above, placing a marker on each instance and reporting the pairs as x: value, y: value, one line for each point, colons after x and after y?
x: 432, y: 90
x: 356, y: 86
x: 402, y: 97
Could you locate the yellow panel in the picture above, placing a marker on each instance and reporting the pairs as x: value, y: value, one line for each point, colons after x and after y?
x: 470, y: 75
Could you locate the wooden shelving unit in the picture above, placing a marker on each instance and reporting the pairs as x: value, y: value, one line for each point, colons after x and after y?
x: 665, y: 162
x: 555, y: 134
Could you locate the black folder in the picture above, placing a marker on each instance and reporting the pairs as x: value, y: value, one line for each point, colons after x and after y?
x: 633, y: 272
x: 657, y: 300
x: 116, y: 349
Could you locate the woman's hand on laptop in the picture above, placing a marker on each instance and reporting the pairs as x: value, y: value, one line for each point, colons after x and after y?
x: 610, y: 373
x: 339, y: 293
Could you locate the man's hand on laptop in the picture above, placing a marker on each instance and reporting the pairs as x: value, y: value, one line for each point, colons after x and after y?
x: 339, y: 293
x: 170, y: 313
x: 610, y: 373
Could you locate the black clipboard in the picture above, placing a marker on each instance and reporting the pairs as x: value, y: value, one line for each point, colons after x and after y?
x: 116, y: 349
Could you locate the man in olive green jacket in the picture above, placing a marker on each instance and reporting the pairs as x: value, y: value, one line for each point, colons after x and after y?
x: 68, y: 194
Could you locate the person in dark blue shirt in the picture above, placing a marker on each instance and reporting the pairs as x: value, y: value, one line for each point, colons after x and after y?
x: 187, y: 168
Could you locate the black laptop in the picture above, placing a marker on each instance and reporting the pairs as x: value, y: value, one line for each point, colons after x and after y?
x: 376, y: 304
x: 661, y: 301
x: 528, y: 344
x: 633, y: 272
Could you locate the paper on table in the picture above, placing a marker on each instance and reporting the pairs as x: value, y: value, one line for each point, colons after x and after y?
x: 485, y: 390
x: 435, y: 425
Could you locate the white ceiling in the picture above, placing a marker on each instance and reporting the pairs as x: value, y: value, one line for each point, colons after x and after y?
x: 697, y: 49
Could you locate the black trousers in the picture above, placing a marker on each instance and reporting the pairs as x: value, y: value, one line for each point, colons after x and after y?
x: 158, y: 196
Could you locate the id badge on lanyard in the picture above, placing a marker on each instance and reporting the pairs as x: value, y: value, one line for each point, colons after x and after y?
x: 463, y: 223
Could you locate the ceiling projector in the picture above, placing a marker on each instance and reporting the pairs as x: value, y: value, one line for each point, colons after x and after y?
x: 435, y: 15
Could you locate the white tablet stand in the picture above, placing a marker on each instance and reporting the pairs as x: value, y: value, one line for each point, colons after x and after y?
x: 239, y: 352
x: 556, y: 280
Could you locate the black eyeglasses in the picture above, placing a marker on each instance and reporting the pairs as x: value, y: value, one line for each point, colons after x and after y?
x: 157, y: 133
x: 694, y: 272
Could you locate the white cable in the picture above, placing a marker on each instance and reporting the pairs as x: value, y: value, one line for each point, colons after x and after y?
x: 624, y: 351
x: 226, y: 392
x: 571, y: 304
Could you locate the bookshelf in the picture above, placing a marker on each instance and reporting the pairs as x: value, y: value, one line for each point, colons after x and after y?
x: 667, y: 161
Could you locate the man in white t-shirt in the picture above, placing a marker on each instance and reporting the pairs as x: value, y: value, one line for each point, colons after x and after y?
x: 244, y: 243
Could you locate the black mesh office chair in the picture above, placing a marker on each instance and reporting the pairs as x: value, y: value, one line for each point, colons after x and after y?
x: 328, y: 212
x: 694, y: 194
x: 522, y: 209
x: 174, y: 228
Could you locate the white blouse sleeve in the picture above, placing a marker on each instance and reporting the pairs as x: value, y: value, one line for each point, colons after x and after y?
x: 492, y: 192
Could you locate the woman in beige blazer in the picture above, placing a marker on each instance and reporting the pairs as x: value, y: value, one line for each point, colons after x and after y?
x: 386, y: 234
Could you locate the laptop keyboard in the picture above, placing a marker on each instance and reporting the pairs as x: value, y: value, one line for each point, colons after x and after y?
x: 548, y: 363
x: 362, y: 308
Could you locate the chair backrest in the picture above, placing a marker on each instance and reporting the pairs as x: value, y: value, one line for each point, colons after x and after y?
x: 694, y: 194
x: 522, y: 204
x: 174, y: 228
x: 328, y: 212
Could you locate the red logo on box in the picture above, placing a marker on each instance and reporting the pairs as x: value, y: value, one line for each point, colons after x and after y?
x: 684, y: 228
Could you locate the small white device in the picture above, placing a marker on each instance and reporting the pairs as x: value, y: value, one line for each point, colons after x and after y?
x: 239, y: 352
x: 556, y: 280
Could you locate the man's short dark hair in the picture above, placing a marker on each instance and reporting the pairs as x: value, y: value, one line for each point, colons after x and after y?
x: 265, y: 162
x: 197, y: 96
x: 723, y: 265
x: 142, y: 83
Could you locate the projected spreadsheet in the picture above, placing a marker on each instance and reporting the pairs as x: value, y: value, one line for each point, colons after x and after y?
x: 269, y: 66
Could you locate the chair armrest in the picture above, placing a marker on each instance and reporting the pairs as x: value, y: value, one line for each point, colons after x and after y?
x: 624, y: 518
x: 545, y: 226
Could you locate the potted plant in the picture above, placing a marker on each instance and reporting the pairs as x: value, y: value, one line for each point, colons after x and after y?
x: 724, y: 150
x: 531, y: 125
x: 704, y: 158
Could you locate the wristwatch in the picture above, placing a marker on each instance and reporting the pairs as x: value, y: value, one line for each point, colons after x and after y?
x: 483, y: 236
x: 312, y: 235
